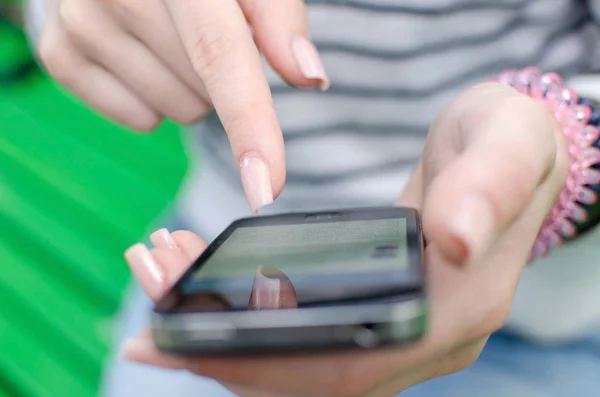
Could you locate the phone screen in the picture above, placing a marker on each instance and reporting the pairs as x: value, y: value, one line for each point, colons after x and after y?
x: 324, y: 263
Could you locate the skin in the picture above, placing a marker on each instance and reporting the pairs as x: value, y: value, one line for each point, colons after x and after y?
x: 139, y: 61
x: 491, y: 141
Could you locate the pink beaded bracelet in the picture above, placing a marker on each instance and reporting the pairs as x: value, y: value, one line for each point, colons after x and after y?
x: 579, y: 122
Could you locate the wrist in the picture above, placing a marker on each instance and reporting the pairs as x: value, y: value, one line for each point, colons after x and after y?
x: 579, y: 123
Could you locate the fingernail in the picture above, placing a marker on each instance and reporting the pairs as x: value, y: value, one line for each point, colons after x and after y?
x: 146, y: 269
x: 266, y: 291
x: 162, y: 239
x: 309, y: 61
x: 272, y: 289
x: 256, y: 179
x: 473, y: 224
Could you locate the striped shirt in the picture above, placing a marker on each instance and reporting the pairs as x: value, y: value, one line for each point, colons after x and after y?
x: 393, y: 65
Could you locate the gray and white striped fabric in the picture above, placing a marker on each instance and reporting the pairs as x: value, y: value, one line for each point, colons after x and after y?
x: 393, y: 65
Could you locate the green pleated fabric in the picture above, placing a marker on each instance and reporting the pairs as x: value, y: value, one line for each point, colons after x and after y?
x: 75, y: 191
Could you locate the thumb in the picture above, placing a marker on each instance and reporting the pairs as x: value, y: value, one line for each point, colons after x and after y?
x: 514, y: 147
x: 281, y: 33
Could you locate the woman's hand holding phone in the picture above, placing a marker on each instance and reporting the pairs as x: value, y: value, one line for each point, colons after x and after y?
x: 493, y: 165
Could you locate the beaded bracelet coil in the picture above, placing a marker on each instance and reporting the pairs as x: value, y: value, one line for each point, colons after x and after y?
x: 580, y: 123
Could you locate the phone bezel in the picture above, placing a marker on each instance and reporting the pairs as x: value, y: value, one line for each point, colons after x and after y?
x: 171, y: 328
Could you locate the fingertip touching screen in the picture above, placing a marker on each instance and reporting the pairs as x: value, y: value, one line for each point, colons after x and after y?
x: 296, y: 265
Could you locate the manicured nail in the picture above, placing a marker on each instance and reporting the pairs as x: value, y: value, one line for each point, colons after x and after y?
x: 256, y: 179
x: 266, y: 291
x: 272, y: 289
x: 146, y: 269
x: 162, y: 239
x: 309, y: 61
x: 473, y: 224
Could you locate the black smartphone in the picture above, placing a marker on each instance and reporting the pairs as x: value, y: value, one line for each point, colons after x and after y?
x: 300, y: 281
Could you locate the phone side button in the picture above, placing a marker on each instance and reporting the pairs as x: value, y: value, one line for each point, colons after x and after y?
x: 366, y: 337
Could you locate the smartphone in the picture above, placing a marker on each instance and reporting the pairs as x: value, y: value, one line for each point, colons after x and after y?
x: 348, y: 278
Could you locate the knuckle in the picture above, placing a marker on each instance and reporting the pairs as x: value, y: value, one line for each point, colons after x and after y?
x: 462, y: 361
x: 209, y: 50
x: 52, y: 54
x: 516, y: 105
x: 472, y: 105
x: 75, y: 19
x: 46, y: 50
x: 522, y: 176
x: 488, y: 315
x: 146, y: 123
x: 184, y: 107
x: 241, y: 119
x: 494, y: 316
x: 191, y: 118
x: 458, y: 360
x: 124, y: 7
x: 519, y: 103
x: 119, y: 4
x: 489, y: 102
x: 508, y: 173
x: 466, y: 357
x: 484, y: 90
x: 538, y: 121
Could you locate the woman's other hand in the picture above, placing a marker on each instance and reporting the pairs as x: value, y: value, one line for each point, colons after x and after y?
x: 493, y: 165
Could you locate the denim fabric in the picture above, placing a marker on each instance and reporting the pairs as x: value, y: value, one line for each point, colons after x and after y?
x: 511, y: 367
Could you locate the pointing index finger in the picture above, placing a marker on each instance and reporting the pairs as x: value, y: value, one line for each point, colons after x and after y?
x: 220, y: 47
